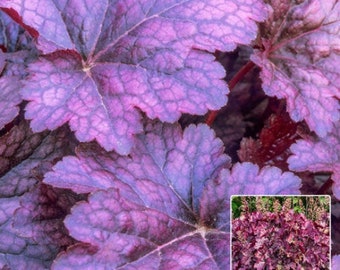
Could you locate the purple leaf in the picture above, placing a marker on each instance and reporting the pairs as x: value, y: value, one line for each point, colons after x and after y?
x: 31, y: 215
x: 318, y: 155
x: 210, y: 25
x: 117, y: 57
x: 299, y: 61
x: 170, y: 177
x: 149, y: 212
x: 18, y: 52
x: 42, y: 21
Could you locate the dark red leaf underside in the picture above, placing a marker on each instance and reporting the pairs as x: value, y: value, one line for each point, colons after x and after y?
x: 272, y: 146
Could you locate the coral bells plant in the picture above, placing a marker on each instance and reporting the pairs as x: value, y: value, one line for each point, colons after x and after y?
x: 283, y: 240
x: 126, y: 125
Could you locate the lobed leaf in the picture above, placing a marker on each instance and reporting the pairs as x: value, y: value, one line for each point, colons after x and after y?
x: 111, y: 59
x: 74, y: 24
x: 168, y: 199
x: 16, y: 51
x: 298, y: 62
x: 318, y: 155
x: 144, y: 208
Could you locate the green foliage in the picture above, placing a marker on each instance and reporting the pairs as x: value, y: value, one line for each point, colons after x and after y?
x: 236, y: 206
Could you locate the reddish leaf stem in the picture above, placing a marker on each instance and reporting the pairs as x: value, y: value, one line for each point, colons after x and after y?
x: 323, y: 189
x: 238, y: 76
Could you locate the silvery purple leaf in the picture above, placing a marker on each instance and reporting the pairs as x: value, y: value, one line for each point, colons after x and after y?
x: 170, y: 177
x: 318, y: 155
x: 300, y: 60
x: 16, y: 51
x: 108, y: 60
x: 144, y: 210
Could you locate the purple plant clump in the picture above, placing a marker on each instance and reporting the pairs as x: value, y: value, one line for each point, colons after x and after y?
x: 284, y: 240
x: 126, y: 125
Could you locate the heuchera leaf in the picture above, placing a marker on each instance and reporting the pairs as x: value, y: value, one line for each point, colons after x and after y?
x: 164, y: 206
x: 113, y: 57
x: 73, y: 25
x: 318, y: 155
x: 31, y: 215
x: 149, y: 214
x: 15, y: 52
x: 299, y: 60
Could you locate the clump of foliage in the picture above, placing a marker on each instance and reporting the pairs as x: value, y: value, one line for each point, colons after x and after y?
x: 280, y: 240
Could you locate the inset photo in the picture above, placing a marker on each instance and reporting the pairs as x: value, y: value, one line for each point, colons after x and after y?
x: 280, y: 232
